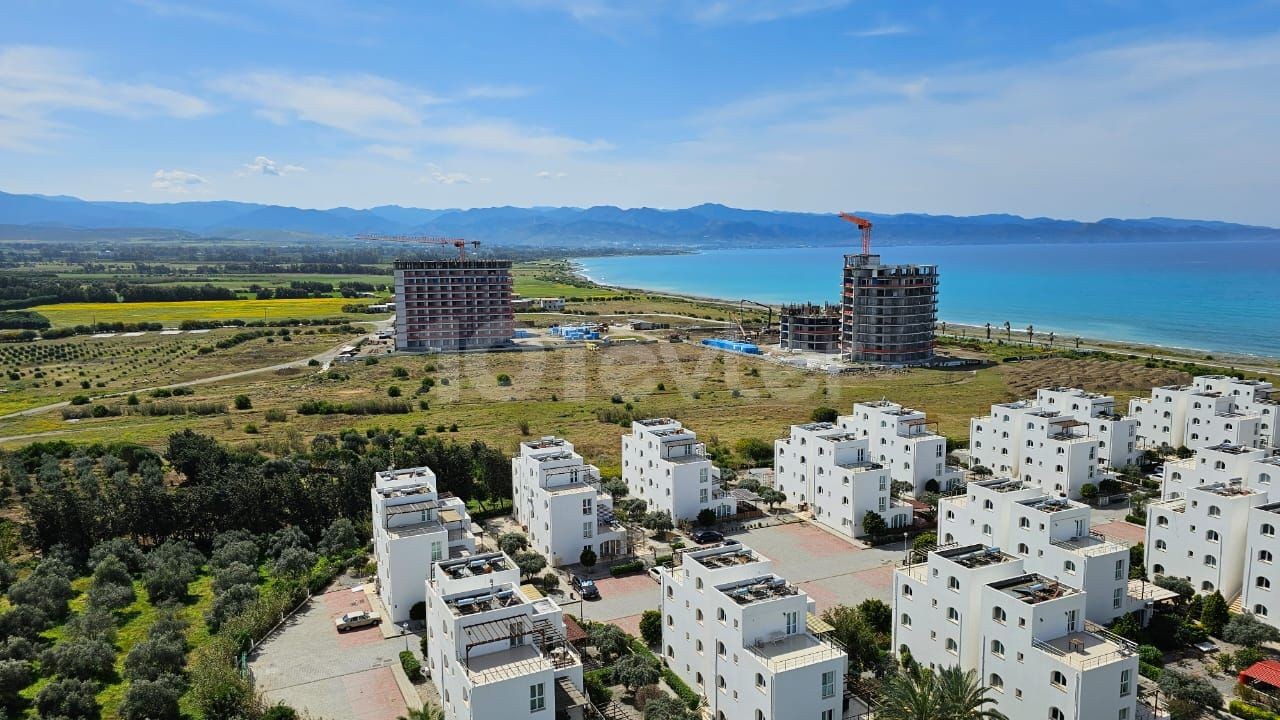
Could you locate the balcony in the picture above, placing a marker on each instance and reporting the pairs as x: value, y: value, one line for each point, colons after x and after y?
x: 1090, y: 648
x: 789, y: 652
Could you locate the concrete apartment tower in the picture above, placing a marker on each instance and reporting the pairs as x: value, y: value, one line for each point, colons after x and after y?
x: 452, y: 305
x: 815, y: 328
x: 888, y: 311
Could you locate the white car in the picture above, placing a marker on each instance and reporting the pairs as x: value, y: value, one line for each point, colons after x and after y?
x: 353, y: 620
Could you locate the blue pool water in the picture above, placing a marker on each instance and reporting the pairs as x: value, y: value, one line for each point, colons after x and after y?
x: 1220, y: 296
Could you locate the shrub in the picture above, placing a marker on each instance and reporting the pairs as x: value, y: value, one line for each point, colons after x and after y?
x: 80, y: 400
x: 280, y: 712
x: 153, y: 699
x: 1244, y: 710
x: 14, y: 676
x: 597, y: 684
x: 70, y: 698
x: 339, y: 538
x: 242, y: 402
x: 1245, y: 629
x: 393, y: 391
x: 418, y: 610
x: 651, y: 627
x: 504, y: 380
x: 411, y: 666
x: 154, y: 657
x: 587, y: 558
x: 626, y: 568
x: 277, y: 415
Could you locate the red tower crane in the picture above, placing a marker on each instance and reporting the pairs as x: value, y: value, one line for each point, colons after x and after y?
x: 423, y: 240
x: 864, y: 225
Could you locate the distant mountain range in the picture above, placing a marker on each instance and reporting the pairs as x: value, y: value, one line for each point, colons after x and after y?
x: 44, y: 217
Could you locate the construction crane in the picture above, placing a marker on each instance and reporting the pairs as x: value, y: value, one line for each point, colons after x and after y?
x: 864, y: 225
x: 423, y: 240
x: 741, y: 314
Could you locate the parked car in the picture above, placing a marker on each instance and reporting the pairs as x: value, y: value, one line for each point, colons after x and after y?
x: 706, y: 537
x: 655, y: 572
x: 358, y: 619
x: 586, y: 587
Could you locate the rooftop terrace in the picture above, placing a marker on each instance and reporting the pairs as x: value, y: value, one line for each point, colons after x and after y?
x: 656, y: 422
x: 480, y: 601
x: 758, y: 589
x: 544, y: 443
x: 975, y: 556
x: 485, y: 564
x: 1047, y: 504
x: 1089, y: 648
x: 723, y: 556
x: 1033, y: 588
x: 1235, y: 488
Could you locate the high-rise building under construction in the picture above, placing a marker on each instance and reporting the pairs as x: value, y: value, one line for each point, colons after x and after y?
x: 888, y: 311
x: 451, y: 305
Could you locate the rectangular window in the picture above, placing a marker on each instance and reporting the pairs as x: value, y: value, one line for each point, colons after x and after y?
x: 828, y: 714
x: 828, y: 683
x: 702, y: 475
x: 586, y: 506
x: 1117, y: 598
x: 1124, y: 714
x: 586, y: 529
x: 537, y: 698
x: 1126, y: 682
x: 1120, y: 569
x: 883, y: 483
x: 702, y: 495
x: 791, y: 618
x: 437, y: 551
x: 883, y: 504
x: 1071, y: 621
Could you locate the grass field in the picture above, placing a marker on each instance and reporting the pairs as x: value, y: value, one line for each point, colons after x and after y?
x: 552, y: 278
x: 173, y: 313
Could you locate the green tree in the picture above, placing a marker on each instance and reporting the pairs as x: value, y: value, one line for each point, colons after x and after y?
x: 609, y: 641
x: 824, y: 414
x: 588, y: 558
x: 651, y: 627
x: 153, y: 699
x: 530, y: 563
x: 772, y: 497
x: 1192, y: 694
x: 426, y: 712
x: 1089, y: 491
x: 242, y: 402
x: 877, y: 614
x: 668, y: 708
x: 635, y: 671
x: 924, y: 541
x: 754, y: 450
x: 69, y: 698
x: 873, y: 523
x: 706, y: 517
x: 963, y: 697
x: 1245, y: 629
x: 512, y: 543
x: 908, y: 696
x: 1215, y: 614
x: 657, y: 521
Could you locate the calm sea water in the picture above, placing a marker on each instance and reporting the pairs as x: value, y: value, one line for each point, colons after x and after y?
x: 1219, y: 296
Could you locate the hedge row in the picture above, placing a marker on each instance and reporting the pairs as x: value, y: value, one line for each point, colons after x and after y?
x: 1251, y: 712
x: 686, y: 694
x: 626, y: 568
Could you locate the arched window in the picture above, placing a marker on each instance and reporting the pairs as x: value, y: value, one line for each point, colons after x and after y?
x: 1211, y: 536
x: 698, y: 583
x: 996, y: 683
x: 953, y: 583
x: 986, y: 529
x: 1206, y: 586
x: 953, y: 615
x: 952, y: 647
x: 998, y: 614
x: 997, y: 648
x: 1162, y: 545
x: 719, y: 614
x: 1210, y: 561
x: 1069, y: 567
x: 1264, y: 478
x: 1157, y: 569
x: 1057, y: 678
x: 698, y: 614
x: 987, y: 505
x: 1024, y: 522
x: 1215, y: 511
x: 1219, y: 465
x: 1263, y: 583
x: 907, y: 591
x: 1268, y: 529
x: 906, y: 620
x: 1023, y: 549
x: 1260, y: 610
x: 1264, y: 556
x: 1162, y: 521
x: 1056, y: 714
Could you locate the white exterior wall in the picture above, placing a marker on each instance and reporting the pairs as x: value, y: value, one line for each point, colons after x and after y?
x: 1117, y: 435
x: 557, y: 501
x: 900, y: 439
x: 1214, y: 409
x: 1027, y: 441
x: 494, y: 679
x: 747, y: 660
x: 1219, y: 464
x: 1202, y: 537
x: 409, y: 533
x: 1014, y: 654
x: 1050, y: 535
x: 664, y: 465
x: 827, y: 468
x: 1261, y: 581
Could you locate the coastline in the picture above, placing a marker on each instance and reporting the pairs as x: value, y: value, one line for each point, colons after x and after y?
x: 1064, y: 339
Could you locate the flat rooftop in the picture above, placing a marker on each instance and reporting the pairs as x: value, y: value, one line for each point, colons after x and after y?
x: 974, y: 556
x: 656, y: 422
x: 724, y: 556
x: 813, y: 426
x: 1002, y: 485
x: 478, y: 601
x: 1231, y: 489
x: 1033, y: 588
x: 758, y: 589
x: 1048, y: 504
x: 1086, y: 649
x: 1271, y: 508
x: 1232, y: 448
x: 544, y: 443
x: 474, y: 565
x: 796, y: 650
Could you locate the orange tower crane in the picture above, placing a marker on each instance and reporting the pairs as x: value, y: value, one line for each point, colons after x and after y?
x: 423, y: 240
x: 864, y: 225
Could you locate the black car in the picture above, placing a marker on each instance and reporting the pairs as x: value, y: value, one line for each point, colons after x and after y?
x: 586, y: 587
x: 706, y: 537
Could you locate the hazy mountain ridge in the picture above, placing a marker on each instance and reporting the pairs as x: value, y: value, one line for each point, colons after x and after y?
x: 702, y: 226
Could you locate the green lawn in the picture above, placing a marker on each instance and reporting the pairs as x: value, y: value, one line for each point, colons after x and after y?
x: 173, y: 313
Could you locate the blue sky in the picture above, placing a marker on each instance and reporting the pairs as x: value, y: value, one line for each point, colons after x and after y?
x: 1081, y: 109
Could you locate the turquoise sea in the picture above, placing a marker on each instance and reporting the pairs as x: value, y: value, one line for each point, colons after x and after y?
x: 1221, y: 296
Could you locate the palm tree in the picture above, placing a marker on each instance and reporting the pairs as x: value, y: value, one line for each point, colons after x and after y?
x: 908, y: 696
x: 1031, y: 331
x: 1008, y: 330
x: 988, y: 331
x: 962, y: 696
x: 426, y: 712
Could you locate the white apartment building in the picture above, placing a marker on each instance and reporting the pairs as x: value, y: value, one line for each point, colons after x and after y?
x: 1261, y: 582
x: 1049, y: 534
x: 1025, y: 634
x: 413, y: 527
x: 1117, y: 434
x: 664, y: 464
x: 902, y: 440
x: 1047, y: 448
x: 1224, y: 463
x: 738, y: 634
x: 1202, y: 536
x: 827, y: 470
x: 556, y: 497
x: 496, y: 650
x: 1214, y: 409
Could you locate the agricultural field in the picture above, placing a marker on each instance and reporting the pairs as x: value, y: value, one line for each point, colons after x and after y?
x: 586, y: 396
x: 554, y: 278
x: 171, y: 314
x: 39, y: 373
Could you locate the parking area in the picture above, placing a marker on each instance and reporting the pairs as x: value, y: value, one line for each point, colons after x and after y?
x: 310, y: 666
x: 833, y: 571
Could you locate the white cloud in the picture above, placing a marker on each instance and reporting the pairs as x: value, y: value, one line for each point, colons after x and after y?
x: 263, y: 165
x: 881, y: 31
x: 178, y: 182
x: 548, y: 175
x: 392, y: 113
x: 39, y: 83
x: 395, y: 152
x: 437, y: 175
